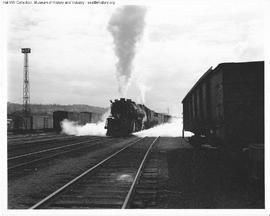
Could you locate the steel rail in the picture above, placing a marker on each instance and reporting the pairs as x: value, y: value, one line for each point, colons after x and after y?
x: 137, y: 176
x: 36, y: 136
x: 17, y: 136
x: 28, y: 136
x: 51, y: 156
x: 30, y: 141
x: 51, y: 149
x: 55, y: 193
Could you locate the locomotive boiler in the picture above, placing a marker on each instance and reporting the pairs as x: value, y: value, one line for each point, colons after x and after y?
x: 128, y: 117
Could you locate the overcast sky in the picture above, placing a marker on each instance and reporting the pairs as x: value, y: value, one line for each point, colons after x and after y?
x: 73, y: 59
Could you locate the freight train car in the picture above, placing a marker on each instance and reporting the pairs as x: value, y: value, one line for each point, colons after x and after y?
x: 26, y: 123
x: 20, y: 123
x: 128, y: 117
x: 42, y: 122
x: 226, y: 105
x: 81, y: 118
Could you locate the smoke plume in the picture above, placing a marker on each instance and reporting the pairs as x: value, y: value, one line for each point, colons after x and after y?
x: 126, y: 26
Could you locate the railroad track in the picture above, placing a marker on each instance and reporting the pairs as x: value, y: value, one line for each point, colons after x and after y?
x: 25, y: 137
x: 37, y: 145
x: 28, y: 159
x: 147, y: 192
x: 20, y: 142
x: 17, y: 136
x: 109, y: 184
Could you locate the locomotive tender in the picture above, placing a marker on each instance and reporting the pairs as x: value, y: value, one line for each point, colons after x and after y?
x: 128, y: 117
x: 226, y: 106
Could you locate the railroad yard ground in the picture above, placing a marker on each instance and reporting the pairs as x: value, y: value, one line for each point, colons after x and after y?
x: 205, y: 178
x: 184, y: 177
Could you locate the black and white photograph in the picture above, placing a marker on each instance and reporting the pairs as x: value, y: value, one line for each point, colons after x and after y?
x: 152, y: 107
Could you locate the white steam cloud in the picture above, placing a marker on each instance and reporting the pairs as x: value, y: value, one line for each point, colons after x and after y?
x: 126, y: 26
x: 170, y: 129
x: 94, y: 129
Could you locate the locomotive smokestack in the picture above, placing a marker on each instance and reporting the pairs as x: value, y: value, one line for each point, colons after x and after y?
x: 126, y: 26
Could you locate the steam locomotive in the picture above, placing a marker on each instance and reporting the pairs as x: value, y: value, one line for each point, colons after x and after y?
x: 128, y: 117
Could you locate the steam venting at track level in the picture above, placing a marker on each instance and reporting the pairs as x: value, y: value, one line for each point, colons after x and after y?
x: 94, y: 129
x: 170, y: 129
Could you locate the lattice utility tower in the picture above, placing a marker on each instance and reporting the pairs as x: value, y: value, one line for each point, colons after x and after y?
x: 26, y: 89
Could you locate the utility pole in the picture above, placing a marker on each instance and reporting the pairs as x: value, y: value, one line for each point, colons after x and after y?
x: 26, y: 83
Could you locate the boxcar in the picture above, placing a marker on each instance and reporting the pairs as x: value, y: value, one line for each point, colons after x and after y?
x: 21, y: 123
x: 33, y: 122
x: 96, y: 117
x: 59, y: 116
x: 42, y: 122
x: 228, y: 103
x: 85, y: 117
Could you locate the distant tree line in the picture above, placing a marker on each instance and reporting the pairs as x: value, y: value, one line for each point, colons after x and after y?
x: 50, y: 108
